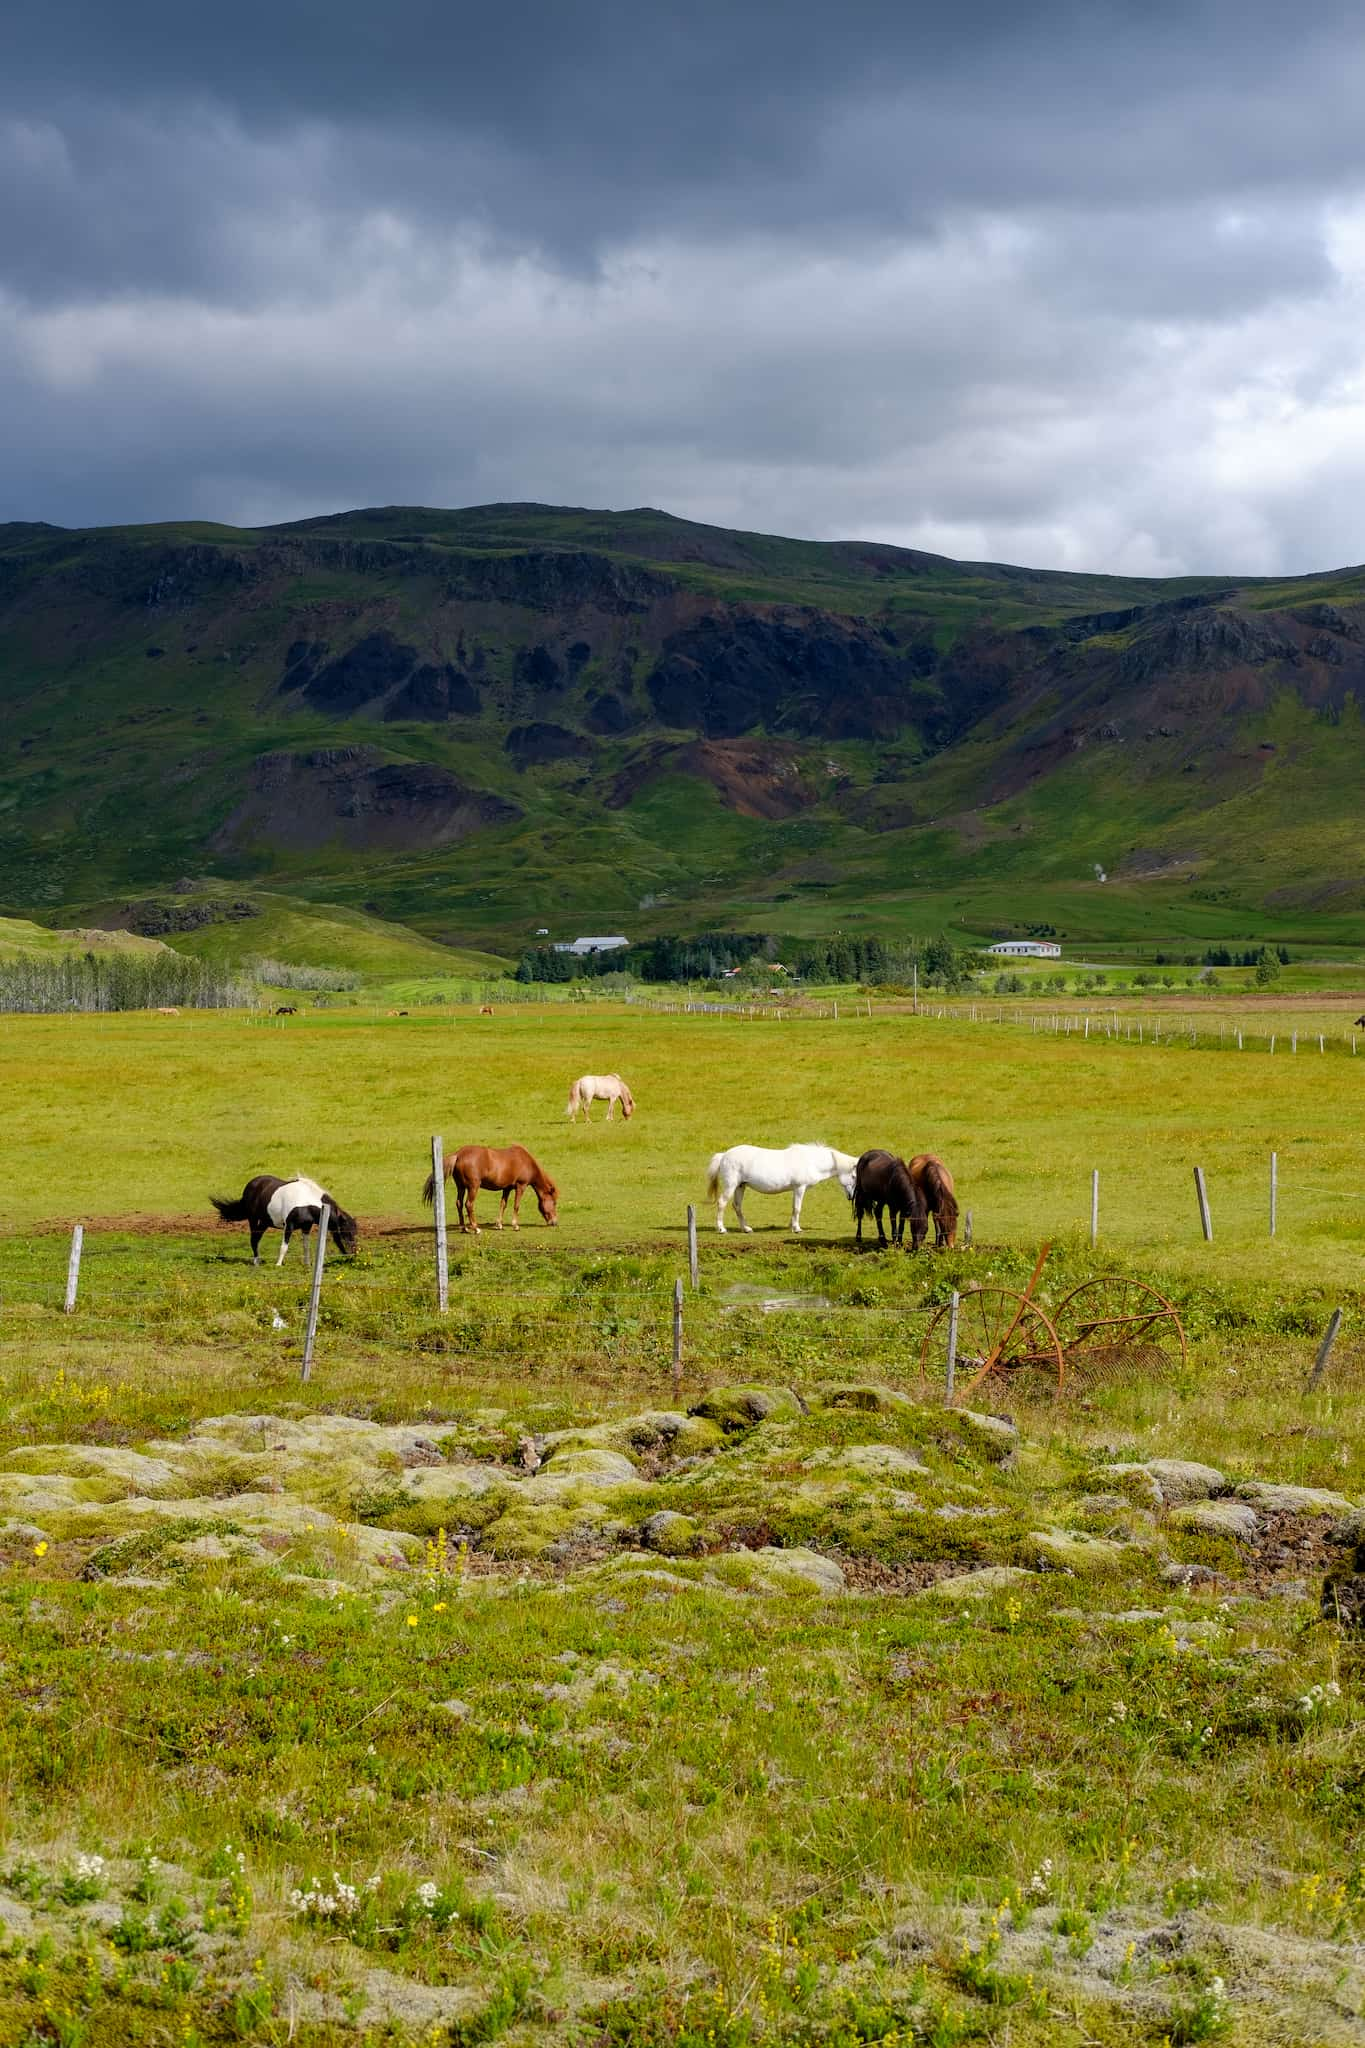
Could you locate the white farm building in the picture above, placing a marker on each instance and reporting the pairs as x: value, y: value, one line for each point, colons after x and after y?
x: 591, y: 945
x: 1028, y: 949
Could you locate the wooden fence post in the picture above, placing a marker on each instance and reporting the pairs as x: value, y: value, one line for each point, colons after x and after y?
x: 952, y: 1346
x: 1202, y: 1193
x: 438, y: 1210
x: 315, y: 1292
x: 692, y: 1247
x: 677, y: 1332
x: 1324, y: 1351
x: 1094, y: 1207
x: 1274, y: 1187
x: 73, y: 1267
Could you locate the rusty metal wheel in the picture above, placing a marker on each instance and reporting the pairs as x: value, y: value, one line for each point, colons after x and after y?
x: 1115, y: 1328
x: 1001, y: 1336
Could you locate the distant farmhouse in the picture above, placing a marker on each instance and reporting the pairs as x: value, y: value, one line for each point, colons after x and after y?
x: 1028, y: 949
x: 590, y: 945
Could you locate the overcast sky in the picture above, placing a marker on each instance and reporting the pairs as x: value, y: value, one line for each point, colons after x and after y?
x: 1075, y: 285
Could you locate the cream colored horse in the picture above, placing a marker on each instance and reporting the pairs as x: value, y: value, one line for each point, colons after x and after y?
x: 608, y: 1088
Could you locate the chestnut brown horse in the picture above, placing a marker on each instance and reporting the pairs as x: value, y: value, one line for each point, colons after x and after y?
x: 508, y: 1168
x: 935, y: 1183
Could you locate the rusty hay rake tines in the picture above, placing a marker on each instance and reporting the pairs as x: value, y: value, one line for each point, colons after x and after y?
x: 1116, y: 1329
x: 1110, y: 1329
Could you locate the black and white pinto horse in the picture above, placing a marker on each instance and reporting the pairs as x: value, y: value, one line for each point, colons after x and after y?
x: 269, y: 1203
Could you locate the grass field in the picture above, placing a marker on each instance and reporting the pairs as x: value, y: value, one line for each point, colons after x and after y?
x: 331, y: 1718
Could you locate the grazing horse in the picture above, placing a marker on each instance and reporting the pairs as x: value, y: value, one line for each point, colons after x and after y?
x: 509, y: 1168
x: 796, y: 1168
x: 883, y: 1182
x: 485, y: 1009
x: 287, y: 1010
x: 608, y: 1088
x: 935, y: 1183
x: 290, y: 1205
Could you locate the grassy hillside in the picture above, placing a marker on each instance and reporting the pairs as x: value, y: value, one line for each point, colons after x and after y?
x: 474, y: 724
x: 19, y: 937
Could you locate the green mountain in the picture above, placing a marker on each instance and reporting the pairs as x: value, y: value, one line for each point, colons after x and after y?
x: 474, y: 724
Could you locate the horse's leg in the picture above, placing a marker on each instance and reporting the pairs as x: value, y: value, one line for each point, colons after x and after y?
x: 721, y: 1199
x: 738, y: 1200
x: 881, y: 1226
x: 798, y: 1197
x: 283, y: 1248
x: 516, y: 1204
x: 470, y: 1199
x: 256, y: 1236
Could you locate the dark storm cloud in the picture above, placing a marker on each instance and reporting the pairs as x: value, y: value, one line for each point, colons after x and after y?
x: 1050, y: 281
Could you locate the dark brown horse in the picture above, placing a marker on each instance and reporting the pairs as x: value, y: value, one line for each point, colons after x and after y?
x: 882, y: 1183
x: 509, y: 1168
x: 935, y: 1184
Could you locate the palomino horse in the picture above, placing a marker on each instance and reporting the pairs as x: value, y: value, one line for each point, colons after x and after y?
x: 509, y: 1168
x: 884, y: 1182
x: 290, y: 1205
x: 794, y: 1169
x: 935, y: 1183
x: 608, y: 1088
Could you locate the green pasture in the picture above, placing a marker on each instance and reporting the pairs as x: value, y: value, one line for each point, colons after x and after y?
x: 138, y: 1115
x: 294, y: 1750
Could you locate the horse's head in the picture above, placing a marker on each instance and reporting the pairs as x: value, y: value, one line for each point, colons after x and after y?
x: 343, y: 1230
x: 548, y: 1198
x: 627, y: 1106
x: 848, y: 1181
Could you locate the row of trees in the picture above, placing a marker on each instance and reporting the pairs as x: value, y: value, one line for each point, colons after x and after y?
x: 757, y: 956
x: 34, y: 984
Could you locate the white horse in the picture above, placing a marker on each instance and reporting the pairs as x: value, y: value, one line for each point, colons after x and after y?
x: 797, y: 1168
x: 608, y: 1088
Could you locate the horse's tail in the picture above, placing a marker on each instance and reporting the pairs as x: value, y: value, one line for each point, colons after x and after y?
x: 713, y: 1175
x: 228, y: 1210
x: 573, y: 1107
x: 429, y: 1186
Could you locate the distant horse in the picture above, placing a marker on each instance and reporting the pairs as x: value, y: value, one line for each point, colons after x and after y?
x: 485, y: 1009
x: 883, y: 1182
x: 1360, y: 1023
x: 608, y: 1088
x: 796, y: 1168
x: 935, y: 1183
x: 287, y: 1010
x: 291, y: 1205
x: 509, y: 1168
x: 167, y: 1011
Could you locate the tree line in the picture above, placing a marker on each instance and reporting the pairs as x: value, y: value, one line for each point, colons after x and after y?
x: 39, y: 985
x: 758, y: 956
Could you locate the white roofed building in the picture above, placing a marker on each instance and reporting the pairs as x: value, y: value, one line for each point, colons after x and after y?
x: 1027, y: 949
x: 608, y: 945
